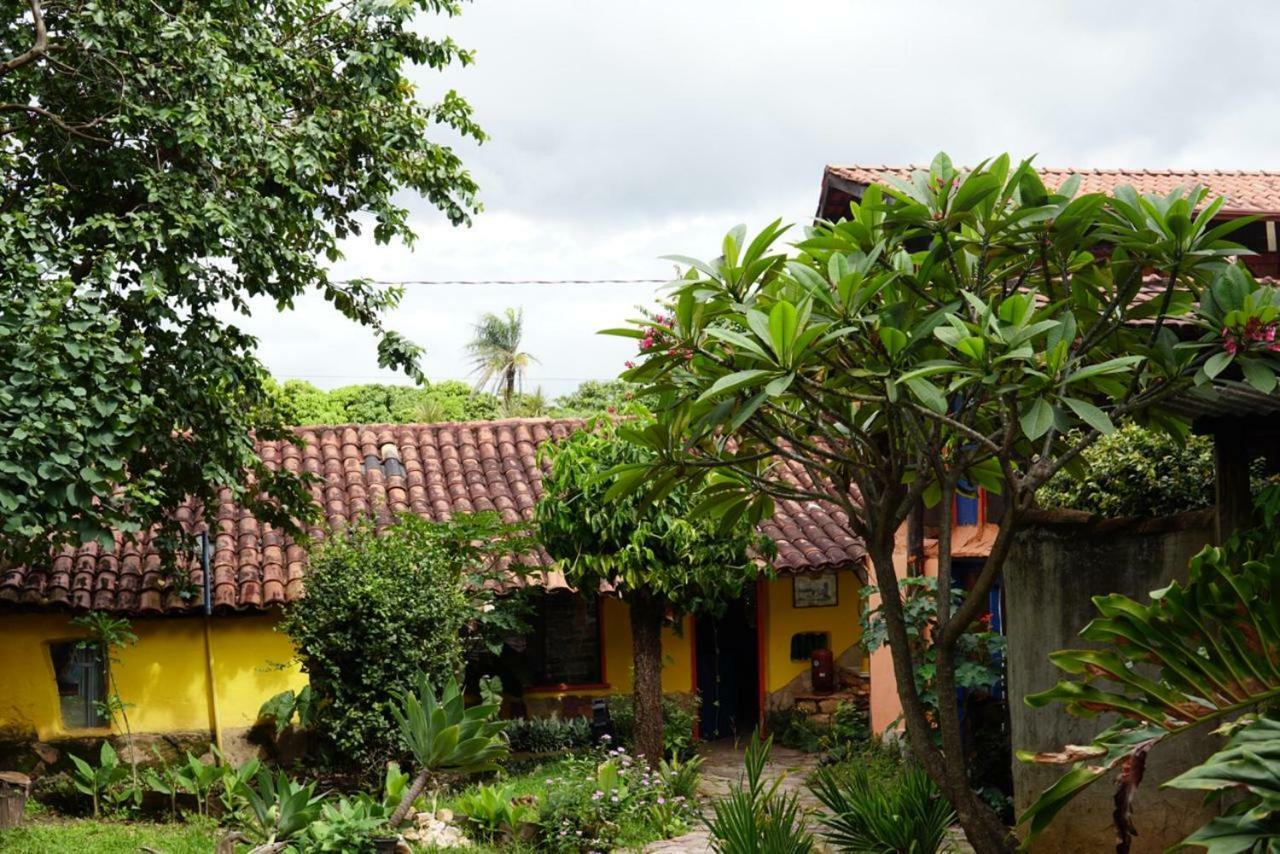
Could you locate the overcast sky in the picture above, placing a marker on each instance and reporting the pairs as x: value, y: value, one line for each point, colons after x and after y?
x: 625, y: 131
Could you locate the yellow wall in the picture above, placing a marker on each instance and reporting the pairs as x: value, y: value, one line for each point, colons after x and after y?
x: 782, y: 621
x: 163, y: 676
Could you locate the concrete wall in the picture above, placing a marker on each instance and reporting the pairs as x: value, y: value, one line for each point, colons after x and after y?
x: 1056, y: 566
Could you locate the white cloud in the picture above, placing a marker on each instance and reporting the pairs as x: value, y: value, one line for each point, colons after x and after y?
x: 624, y: 131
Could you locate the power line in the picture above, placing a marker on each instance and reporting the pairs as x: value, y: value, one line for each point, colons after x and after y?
x: 528, y: 380
x: 505, y: 281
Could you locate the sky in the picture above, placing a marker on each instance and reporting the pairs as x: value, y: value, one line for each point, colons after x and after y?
x: 622, y: 132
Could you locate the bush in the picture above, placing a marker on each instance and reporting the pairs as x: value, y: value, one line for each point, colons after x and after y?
x: 758, y: 816
x: 905, y: 813
x: 379, y: 610
x: 678, y: 718
x: 548, y: 735
x: 847, y: 733
x: 1136, y: 472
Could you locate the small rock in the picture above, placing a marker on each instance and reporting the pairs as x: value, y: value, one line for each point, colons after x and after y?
x: 445, y: 815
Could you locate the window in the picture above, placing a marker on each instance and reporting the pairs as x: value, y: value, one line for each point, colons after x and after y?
x: 564, y: 646
x: 82, y: 683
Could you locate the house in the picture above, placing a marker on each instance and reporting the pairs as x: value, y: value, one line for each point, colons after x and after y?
x: 198, y: 673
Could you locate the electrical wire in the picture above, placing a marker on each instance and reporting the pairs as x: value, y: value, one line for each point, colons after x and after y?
x: 397, y: 282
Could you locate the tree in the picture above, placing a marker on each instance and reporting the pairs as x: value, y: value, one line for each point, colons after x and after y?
x: 593, y: 397
x: 496, y: 355
x: 301, y: 403
x: 163, y: 166
x: 960, y: 327
x: 652, y: 554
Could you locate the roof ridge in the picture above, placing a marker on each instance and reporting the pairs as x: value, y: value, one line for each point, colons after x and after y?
x: 491, y: 422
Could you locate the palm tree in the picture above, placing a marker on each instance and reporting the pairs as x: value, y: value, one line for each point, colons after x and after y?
x: 496, y: 355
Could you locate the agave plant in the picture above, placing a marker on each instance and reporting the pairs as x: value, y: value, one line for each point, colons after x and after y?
x: 905, y: 816
x: 280, y: 809
x: 444, y: 735
x: 757, y: 818
x: 1198, y: 653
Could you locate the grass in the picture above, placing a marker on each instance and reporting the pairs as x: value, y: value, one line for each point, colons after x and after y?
x: 109, y: 837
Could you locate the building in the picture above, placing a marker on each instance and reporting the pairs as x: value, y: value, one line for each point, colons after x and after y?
x: 195, y: 676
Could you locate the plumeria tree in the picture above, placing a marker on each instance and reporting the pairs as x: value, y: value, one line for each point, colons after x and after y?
x: 961, y: 327
x: 651, y: 553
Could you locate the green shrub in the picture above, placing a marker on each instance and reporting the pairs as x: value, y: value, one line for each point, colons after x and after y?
x: 757, y: 817
x: 905, y: 814
x: 1136, y: 472
x: 492, y: 812
x: 379, y: 610
x: 678, y: 718
x: 792, y: 728
x: 548, y: 735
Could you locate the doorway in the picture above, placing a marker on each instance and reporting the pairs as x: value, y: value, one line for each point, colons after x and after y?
x: 728, y: 665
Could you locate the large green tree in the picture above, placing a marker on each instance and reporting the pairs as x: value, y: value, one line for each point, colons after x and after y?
x: 969, y: 327
x: 165, y: 163
x: 654, y: 555
x: 496, y: 357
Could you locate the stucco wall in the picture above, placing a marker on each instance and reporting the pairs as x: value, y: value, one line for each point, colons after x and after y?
x: 782, y: 620
x: 1055, y: 567
x: 163, y: 676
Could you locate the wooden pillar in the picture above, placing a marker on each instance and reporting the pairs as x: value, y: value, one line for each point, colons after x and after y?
x: 1231, y: 484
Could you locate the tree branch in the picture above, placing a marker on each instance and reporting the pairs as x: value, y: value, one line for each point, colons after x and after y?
x: 37, y: 50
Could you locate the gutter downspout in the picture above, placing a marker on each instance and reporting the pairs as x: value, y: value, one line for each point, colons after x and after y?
x: 215, y: 719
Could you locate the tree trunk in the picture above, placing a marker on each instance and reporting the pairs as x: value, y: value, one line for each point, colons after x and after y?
x: 406, y: 803
x: 982, y: 827
x: 647, y: 614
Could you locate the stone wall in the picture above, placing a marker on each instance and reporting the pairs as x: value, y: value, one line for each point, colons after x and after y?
x: 1057, y: 564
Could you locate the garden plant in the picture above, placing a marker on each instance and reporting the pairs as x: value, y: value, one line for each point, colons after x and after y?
x: 959, y: 328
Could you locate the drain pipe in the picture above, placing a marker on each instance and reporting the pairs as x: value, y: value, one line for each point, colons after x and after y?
x: 214, y: 718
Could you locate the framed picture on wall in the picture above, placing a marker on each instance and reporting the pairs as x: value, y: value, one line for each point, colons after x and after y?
x: 815, y: 590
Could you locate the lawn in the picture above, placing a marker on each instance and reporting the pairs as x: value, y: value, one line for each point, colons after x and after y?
x: 106, y: 837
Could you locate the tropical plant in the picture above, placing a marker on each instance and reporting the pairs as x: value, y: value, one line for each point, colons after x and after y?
x: 365, y: 630
x: 495, y: 353
x: 232, y: 782
x: 906, y: 815
x: 279, y: 809
x: 757, y: 817
x: 198, y: 778
x: 444, y: 735
x: 103, y: 781
x: 1245, y: 777
x: 108, y: 635
x: 212, y: 159
x: 162, y: 778
x: 492, y: 812
x: 548, y: 735
x: 348, y: 826
x: 680, y: 776
x: 960, y: 328
x: 653, y: 554
x: 283, y: 708
x: 1199, y: 652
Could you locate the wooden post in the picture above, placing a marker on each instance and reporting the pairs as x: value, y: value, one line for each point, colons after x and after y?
x: 1231, y: 484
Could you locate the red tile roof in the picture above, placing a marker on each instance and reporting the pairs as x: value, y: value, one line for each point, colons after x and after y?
x: 447, y: 469
x: 1246, y: 192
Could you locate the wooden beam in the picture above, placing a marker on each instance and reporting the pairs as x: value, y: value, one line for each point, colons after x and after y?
x: 1231, y: 482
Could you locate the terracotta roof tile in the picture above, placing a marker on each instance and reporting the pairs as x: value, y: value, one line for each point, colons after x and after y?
x: 1246, y: 192
x: 433, y: 470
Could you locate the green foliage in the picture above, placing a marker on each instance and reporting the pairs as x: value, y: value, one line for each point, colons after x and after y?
x: 678, y: 718
x: 548, y: 735
x: 492, y: 812
x: 302, y: 403
x: 279, y: 808
x: 593, y: 397
x: 444, y: 735
x: 198, y: 778
x: 1244, y: 777
x: 605, y: 802
x: 105, y: 782
x: 1213, y: 643
x: 348, y: 826
x: 847, y: 733
x: 365, y: 629
x: 496, y: 357
x: 1137, y: 472
x: 283, y: 708
x: 758, y: 818
x: 110, y: 634
x: 906, y: 815
x: 652, y: 548
x: 211, y: 156
x: 979, y: 650
x: 232, y: 782
x: 680, y: 776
